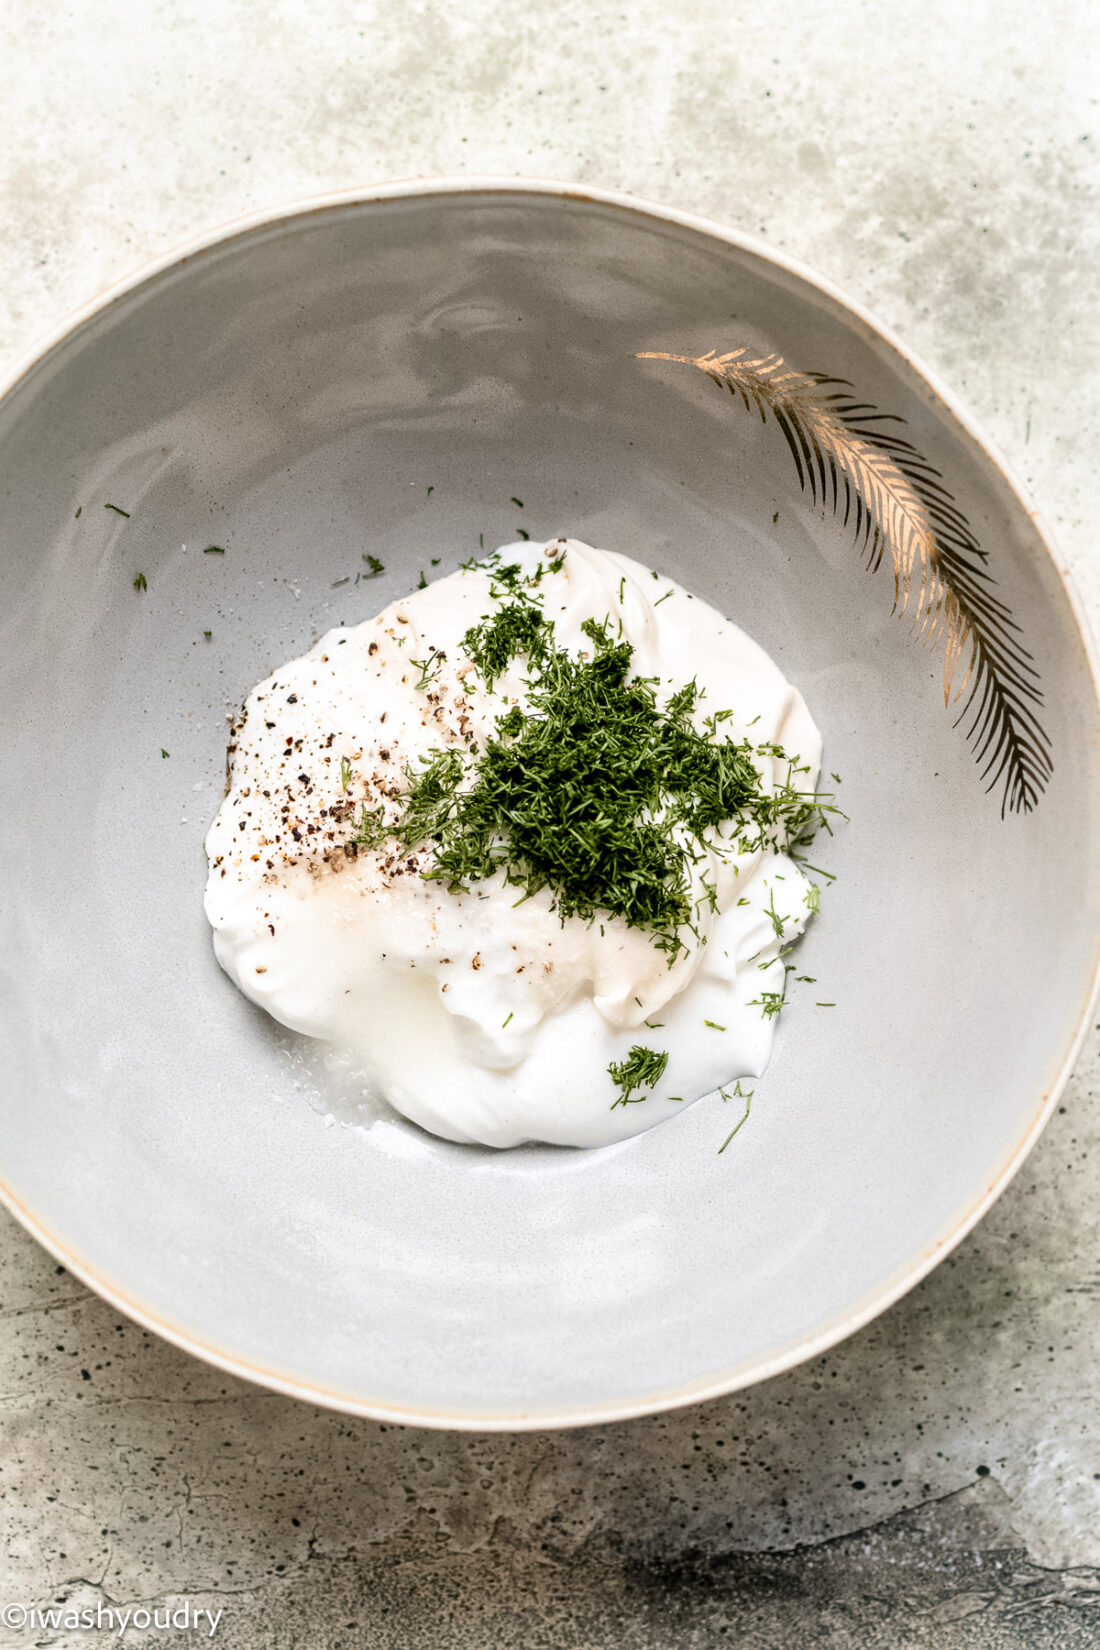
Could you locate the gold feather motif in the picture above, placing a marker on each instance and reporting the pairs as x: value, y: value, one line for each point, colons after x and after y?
x: 896, y: 501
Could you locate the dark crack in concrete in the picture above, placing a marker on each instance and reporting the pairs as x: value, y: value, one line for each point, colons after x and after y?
x: 947, y: 1575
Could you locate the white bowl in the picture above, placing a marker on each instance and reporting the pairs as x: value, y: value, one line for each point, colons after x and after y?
x: 290, y: 389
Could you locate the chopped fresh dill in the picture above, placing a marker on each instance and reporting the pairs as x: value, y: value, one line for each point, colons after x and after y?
x: 431, y: 797
x: 371, y: 830
x: 436, y: 560
x: 515, y: 629
x: 589, y: 788
x: 772, y: 913
x: 522, y: 533
x: 738, y: 1094
x: 643, y: 1068
x: 511, y: 1016
x: 374, y: 567
x: 163, y: 752
x: 622, y: 588
x: 208, y: 634
x: 422, y: 583
x: 431, y: 490
x: 117, y: 510
x: 140, y: 582
x: 336, y: 583
x: 654, y: 1025
x: 768, y: 1002
x: 775, y: 518
x: 714, y: 1026
x: 679, y: 1099
x: 816, y: 869
x: 518, y: 502
x: 429, y: 668
x: 345, y: 774
x: 663, y: 598
x: 214, y: 550
x: 826, y: 1005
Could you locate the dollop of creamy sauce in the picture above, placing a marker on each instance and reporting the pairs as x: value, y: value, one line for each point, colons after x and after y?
x: 478, y: 1013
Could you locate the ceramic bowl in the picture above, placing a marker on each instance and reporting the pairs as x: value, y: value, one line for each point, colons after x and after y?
x: 383, y: 373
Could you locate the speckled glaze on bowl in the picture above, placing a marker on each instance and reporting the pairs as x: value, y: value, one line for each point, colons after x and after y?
x: 382, y: 373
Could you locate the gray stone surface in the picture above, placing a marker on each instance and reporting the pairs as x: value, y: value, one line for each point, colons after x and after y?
x: 934, y: 1481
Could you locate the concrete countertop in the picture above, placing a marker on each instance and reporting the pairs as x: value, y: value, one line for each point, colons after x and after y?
x: 934, y: 1481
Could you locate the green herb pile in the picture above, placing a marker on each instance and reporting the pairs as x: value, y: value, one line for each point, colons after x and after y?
x: 593, y: 789
x: 642, y: 1069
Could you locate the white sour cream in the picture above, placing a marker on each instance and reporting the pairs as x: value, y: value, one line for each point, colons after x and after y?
x: 482, y: 1019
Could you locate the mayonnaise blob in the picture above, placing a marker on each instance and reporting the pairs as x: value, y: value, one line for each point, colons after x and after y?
x: 480, y: 1015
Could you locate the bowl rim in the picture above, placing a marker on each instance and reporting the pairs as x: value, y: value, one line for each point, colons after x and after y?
x: 856, y: 1316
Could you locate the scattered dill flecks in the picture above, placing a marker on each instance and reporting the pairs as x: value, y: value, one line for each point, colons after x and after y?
x: 816, y: 869
x: 370, y: 831
x: 163, y: 752
x: 768, y: 1002
x: 775, y: 518
x: 654, y: 1025
x: 663, y: 598
x: 208, y: 634
x: 714, y: 1026
x: 523, y: 535
x: 826, y: 1005
x: 738, y: 1094
x: 140, y: 582
x: 510, y: 1017
x: 436, y: 560
x: 118, y: 510
x: 336, y: 583
x: 374, y: 567
x: 518, y: 502
x: 807, y: 979
x: 79, y: 512
x: 431, y: 490
x: 678, y: 1098
x: 214, y: 550
x: 345, y: 774
x: 643, y: 1068
x: 422, y: 583
x: 429, y: 668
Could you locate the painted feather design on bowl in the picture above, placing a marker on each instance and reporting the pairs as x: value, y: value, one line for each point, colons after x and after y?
x: 851, y: 461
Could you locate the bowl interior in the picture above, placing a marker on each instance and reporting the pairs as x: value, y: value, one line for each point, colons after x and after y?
x: 386, y: 376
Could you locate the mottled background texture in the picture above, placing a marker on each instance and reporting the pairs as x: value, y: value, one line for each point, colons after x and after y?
x: 935, y: 1481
